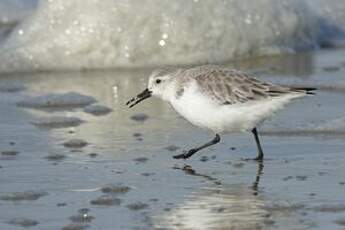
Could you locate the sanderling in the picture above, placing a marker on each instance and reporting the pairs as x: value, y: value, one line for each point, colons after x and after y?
x: 219, y: 99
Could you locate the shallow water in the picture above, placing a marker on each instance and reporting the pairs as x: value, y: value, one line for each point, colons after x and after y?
x: 48, y: 184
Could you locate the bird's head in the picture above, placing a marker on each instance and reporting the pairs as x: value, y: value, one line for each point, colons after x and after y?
x: 158, y: 85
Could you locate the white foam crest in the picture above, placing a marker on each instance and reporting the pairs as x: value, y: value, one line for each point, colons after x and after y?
x: 88, y: 34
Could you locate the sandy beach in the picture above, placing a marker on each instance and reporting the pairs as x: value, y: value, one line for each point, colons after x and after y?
x: 73, y: 156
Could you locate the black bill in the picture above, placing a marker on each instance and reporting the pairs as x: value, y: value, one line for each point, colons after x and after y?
x: 140, y: 97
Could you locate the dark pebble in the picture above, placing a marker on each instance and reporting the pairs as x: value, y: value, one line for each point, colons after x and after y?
x: 106, y: 201
x: 75, y: 226
x: 172, y: 148
x: 97, y: 110
x: 93, y: 155
x: 10, y: 153
x: 148, y: 174
x: 301, y: 178
x: 137, y: 134
x: 331, y: 208
x: 321, y: 173
x: 137, y: 206
x: 331, y: 68
x: 17, y: 196
x: 141, y: 159
x: 140, y: 117
x: 287, y: 178
x: 55, y: 157
x: 204, y: 158
x: 115, y: 189
x: 340, y: 222
x: 75, y: 143
x: 61, y: 204
x: 23, y: 222
x: 238, y: 165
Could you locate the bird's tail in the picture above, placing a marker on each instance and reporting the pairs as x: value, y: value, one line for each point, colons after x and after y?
x: 306, y: 90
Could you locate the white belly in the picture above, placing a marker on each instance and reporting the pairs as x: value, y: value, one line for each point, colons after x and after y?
x: 203, y: 112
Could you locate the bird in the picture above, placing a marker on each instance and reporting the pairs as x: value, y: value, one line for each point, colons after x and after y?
x: 219, y: 99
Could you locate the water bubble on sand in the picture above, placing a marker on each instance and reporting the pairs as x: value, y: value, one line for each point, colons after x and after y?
x: 97, y: 110
x: 84, y: 210
x: 9, y: 153
x: 75, y: 143
x: 57, y: 101
x: 137, y: 206
x: 82, y: 218
x: 140, y: 117
x: 18, y: 196
x: 23, y: 222
x: 55, y: 122
x: 106, y: 200
x: 116, y: 189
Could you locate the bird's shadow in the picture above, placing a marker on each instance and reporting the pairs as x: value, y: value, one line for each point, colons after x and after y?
x: 255, y: 187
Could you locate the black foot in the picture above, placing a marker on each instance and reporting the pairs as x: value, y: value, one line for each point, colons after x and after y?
x: 185, y: 154
x: 258, y: 159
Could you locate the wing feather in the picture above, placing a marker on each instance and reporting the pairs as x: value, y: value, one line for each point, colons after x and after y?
x: 227, y: 86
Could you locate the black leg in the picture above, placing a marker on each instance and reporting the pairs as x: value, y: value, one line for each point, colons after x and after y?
x: 188, y: 154
x: 260, y: 156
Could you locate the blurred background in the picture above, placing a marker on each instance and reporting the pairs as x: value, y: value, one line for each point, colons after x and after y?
x: 73, y: 156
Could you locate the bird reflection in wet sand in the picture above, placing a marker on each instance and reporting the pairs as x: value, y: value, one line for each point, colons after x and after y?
x: 259, y: 172
x: 255, y: 186
x: 235, y: 206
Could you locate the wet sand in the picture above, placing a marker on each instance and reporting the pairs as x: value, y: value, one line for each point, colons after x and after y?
x: 64, y: 165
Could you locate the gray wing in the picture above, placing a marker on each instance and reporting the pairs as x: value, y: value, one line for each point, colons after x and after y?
x: 228, y: 86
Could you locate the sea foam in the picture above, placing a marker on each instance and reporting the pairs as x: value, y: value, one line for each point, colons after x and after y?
x: 92, y: 34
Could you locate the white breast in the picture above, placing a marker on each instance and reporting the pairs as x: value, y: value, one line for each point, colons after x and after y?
x: 201, y: 111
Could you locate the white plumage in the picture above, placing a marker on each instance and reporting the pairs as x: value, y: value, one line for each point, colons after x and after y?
x: 219, y: 99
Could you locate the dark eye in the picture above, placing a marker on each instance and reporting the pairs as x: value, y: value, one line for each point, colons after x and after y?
x: 158, y: 81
